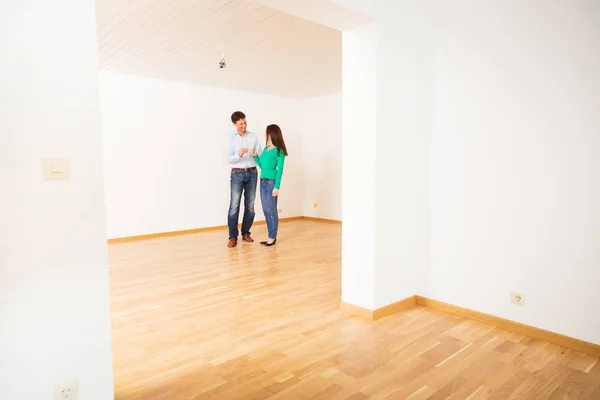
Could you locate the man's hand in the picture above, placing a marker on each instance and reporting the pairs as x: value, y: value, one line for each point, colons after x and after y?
x: 243, y: 151
x: 275, y: 192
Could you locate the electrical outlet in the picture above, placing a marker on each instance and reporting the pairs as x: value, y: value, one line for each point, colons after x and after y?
x: 67, y: 391
x: 517, y: 298
x: 279, y: 210
x: 314, y: 205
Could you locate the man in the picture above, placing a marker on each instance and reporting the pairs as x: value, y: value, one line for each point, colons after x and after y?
x: 244, y: 177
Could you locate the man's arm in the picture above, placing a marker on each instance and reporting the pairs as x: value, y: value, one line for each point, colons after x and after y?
x: 234, y: 155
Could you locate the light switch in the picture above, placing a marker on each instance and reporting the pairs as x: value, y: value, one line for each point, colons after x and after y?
x: 56, y: 169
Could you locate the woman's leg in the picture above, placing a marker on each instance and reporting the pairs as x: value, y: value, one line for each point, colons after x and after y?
x: 263, y: 199
x: 269, y: 204
x: 275, y: 218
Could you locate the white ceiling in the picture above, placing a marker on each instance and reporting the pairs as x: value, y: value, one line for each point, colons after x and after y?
x: 266, y: 50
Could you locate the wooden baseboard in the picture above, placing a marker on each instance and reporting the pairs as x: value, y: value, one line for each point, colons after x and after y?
x: 357, y: 310
x: 329, y: 221
x: 186, y: 232
x: 512, y: 326
x: 382, y: 312
x: 393, y: 308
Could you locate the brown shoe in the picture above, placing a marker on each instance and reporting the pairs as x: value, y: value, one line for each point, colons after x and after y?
x: 232, y: 243
x: 248, y: 238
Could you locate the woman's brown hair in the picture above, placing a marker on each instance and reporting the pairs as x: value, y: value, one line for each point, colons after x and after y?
x: 274, y: 132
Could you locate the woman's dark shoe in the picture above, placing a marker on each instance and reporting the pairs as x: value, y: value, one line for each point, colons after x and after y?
x: 272, y: 243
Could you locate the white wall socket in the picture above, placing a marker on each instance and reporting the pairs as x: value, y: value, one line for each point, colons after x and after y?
x: 67, y: 390
x: 517, y: 298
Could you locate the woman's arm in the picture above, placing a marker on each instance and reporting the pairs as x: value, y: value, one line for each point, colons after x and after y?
x: 280, y: 163
x: 256, y: 158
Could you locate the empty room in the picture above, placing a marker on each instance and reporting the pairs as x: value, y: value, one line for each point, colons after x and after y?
x: 277, y: 199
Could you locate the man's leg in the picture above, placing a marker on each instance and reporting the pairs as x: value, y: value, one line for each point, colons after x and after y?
x: 249, y: 196
x: 236, y: 186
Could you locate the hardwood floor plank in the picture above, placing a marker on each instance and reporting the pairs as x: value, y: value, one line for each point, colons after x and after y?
x: 192, y: 319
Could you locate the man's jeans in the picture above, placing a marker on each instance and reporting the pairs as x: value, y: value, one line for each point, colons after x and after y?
x: 269, y: 205
x: 241, y: 181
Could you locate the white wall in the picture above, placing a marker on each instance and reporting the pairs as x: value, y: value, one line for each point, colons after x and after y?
x: 515, y: 161
x: 54, y: 296
x: 164, y: 146
x: 493, y: 108
x: 321, y: 127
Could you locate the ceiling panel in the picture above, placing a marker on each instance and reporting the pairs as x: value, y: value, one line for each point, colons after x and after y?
x: 266, y: 50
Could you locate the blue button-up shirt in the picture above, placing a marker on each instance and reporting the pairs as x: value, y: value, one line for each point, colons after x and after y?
x: 236, y: 143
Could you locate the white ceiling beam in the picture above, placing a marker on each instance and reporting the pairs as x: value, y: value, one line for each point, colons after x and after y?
x: 324, y: 12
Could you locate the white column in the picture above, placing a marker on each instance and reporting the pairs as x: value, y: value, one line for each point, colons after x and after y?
x: 386, y: 133
x: 359, y: 127
x: 403, y: 144
x: 54, y: 294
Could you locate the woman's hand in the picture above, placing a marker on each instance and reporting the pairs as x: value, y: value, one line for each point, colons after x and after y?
x: 253, y: 153
x: 275, y: 192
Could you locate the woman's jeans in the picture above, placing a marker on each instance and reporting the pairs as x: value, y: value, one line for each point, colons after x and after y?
x: 269, y: 205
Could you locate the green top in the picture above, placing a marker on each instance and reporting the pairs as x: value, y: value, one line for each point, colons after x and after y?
x: 271, y: 164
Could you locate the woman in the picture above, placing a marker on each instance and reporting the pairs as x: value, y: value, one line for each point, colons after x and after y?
x: 271, y: 164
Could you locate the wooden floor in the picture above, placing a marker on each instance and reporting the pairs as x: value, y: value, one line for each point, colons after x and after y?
x: 193, y: 319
